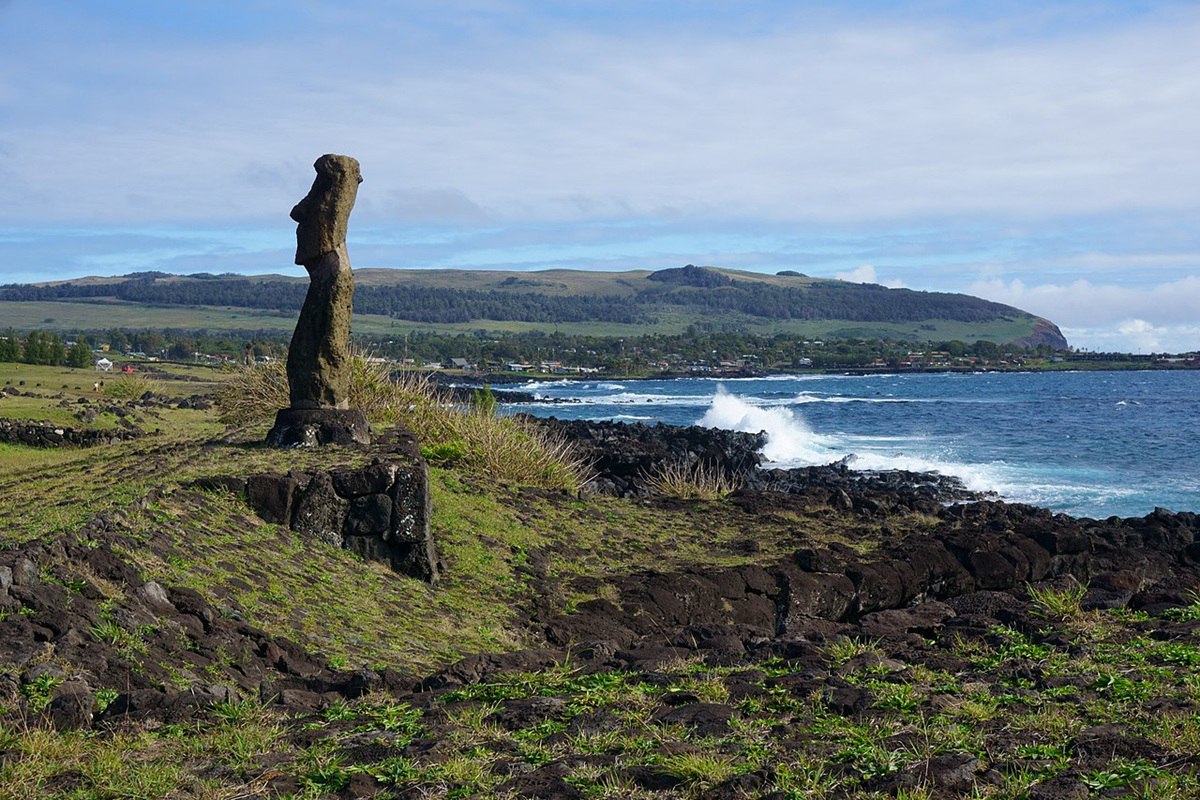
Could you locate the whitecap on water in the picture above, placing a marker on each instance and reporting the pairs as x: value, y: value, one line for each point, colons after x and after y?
x: 789, y: 439
x: 792, y: 443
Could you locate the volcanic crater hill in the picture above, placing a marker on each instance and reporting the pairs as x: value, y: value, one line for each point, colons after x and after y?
x: 818, y: 632
x: 636, y: 301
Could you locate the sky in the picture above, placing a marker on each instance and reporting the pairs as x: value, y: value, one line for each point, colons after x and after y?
x: 1041, y: 154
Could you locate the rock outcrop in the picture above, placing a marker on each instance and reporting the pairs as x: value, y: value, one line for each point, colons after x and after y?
x: 43, y: 434
x: 623, y: 456
x: 979, y: 553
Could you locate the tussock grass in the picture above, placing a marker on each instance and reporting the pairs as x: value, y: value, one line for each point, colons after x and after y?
x: 509, y: 449
x: 697, y: 481
x: 473, y: 437
x: 131, y: 387
x: 1051, y: 603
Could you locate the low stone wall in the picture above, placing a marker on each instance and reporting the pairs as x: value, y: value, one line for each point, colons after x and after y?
x: 43, y: 434
x: 380, y: 511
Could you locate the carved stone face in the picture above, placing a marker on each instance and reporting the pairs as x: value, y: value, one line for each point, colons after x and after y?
x: 323, y: 214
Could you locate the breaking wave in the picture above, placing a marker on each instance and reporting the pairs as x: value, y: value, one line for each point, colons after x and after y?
x: 792, y: 443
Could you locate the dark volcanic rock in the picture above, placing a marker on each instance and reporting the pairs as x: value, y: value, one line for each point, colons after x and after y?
x: 622, y: 455
x: 271, y: 495
x: 40, y: 434
x: 316, y: 427
x: 319, y: 512
x: 380, y: 511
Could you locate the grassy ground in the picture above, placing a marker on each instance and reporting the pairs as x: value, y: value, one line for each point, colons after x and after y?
x: 504, y: 547
x: 74, y: 316
x: 1021, y: 703
x: 768, y: 729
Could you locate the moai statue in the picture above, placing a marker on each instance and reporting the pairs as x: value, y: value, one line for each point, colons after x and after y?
x: 318, y: 364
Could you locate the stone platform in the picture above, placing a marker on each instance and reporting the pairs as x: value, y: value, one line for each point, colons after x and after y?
x: 313, y: 427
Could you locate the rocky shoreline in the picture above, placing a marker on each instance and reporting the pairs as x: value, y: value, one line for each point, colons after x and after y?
x: 624, y: 456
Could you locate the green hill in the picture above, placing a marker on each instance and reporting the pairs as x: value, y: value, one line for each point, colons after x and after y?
x: 569, y: 301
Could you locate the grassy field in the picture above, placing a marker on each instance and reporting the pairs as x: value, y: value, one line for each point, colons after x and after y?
x: 79, y: 316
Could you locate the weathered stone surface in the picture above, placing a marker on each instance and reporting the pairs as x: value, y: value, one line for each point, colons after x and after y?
x: 380, y: 511
x: 411, y: 509
x: 318, y: 364
x: 320, y: 513
x: 271, y: 496
x: 369, y: 515
x: 24, y: 573
x: 155, y: 596
x: 925, y: 619
x: 314, y: 427
x: 322, y: 216
x: 72, y: 709
x: 369, y: 548
x: 375, y: 479
x: 815, y: 594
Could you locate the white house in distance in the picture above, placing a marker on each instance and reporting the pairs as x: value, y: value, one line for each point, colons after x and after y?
x: 104, y: 365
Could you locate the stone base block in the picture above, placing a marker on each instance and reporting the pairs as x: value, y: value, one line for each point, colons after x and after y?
x: 313, y: 427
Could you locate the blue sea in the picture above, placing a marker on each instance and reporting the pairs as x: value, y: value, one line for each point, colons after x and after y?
x: 1089, y: 444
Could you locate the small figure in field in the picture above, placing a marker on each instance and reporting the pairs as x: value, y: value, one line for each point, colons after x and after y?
x: 318, y: 365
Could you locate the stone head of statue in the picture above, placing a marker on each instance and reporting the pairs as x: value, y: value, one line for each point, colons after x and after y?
x: 323, y: 214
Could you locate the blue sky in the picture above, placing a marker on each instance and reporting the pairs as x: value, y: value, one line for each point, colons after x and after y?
x: 1039, y: 154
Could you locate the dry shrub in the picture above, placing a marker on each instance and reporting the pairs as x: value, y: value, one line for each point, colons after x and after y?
x: 132, y: 386
x: 516, y: 450
x: 502, y: 448
x: 253, y: 394
x: 697, y: 481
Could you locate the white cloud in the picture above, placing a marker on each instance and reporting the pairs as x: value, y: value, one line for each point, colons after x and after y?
x: 1143, y: 336
x: 1155, y: 318
x: 1136, y: 336
x: 821, y: 119
x: 1082, y: 303
x: 866, y: 274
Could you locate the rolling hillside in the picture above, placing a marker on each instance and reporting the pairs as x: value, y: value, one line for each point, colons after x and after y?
x: 595, y: 303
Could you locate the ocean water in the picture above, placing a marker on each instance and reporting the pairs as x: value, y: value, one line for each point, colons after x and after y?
x: 1086, y: 443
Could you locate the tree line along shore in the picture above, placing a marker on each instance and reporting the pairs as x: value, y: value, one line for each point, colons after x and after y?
x: 503, y: 356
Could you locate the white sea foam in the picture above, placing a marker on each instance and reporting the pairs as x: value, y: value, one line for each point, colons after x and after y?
x: 530, y: 386
x: 789, y: 439
x: 817, y: 397
x: 764, y: 378
x: 792, y: 443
